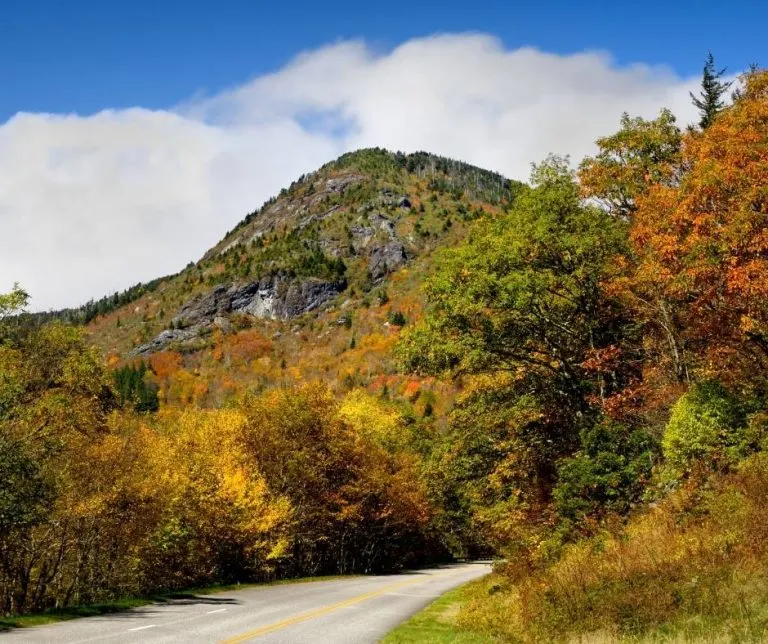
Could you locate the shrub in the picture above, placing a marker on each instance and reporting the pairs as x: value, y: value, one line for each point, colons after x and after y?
x: 669, y: 574
x: 707, y: 425
x: 607, y: 475
x: 396, y: 318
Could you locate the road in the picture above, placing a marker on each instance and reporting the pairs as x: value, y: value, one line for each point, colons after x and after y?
x: 354, y: 610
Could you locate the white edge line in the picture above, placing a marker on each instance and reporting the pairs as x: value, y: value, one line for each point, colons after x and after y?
x: 142, y: 628
x: 220, y: 610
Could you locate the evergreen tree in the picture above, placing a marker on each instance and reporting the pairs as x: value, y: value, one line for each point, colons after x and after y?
x: 133, y: 390
x: 710, y: 100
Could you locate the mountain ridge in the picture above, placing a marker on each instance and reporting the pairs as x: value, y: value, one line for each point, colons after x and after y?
x: 445, y: 174
x: 317, y: 281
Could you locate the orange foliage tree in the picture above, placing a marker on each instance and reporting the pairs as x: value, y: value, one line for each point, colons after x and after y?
x: 698, y: 270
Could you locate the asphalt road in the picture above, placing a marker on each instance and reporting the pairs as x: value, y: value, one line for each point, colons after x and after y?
x: 354, y: 610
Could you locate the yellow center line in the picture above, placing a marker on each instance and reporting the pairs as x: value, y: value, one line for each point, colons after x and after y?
x: 318, y: 612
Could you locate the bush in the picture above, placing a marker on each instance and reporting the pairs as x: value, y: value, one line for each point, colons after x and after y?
x: 607, y: 475
x: 707, y: 425
x: 396, y: 318
x: 669, y: 574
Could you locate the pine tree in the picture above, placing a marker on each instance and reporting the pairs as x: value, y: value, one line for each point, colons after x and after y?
x: 710, y: 100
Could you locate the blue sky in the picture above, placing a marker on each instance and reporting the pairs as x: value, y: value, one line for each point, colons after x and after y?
x: 85, y: 55
x: 134, y: 134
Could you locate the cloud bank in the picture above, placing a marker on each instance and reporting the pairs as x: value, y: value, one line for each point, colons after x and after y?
x: 93, y: 204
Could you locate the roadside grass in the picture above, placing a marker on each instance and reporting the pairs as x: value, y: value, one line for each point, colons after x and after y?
x: 691, y: 568
x: 437, y: 622
x: 122, y: 605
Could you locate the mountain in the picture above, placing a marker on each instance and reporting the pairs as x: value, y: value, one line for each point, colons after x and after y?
x: 317, y: 281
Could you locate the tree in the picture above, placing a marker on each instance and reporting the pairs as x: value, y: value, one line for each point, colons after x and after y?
x: 357, y: 506
x: 710, y: 100
x: 133, y: 389
x: 518, y: 313
x: 219, y: 520
x: 707, y: 423
x: 11, y: 304
x: 523, y: 295
x: 396, y: 318
x: 607, y: 475
x: 697, y: 273
x: 738, y: 93
x: 54, y: 406
x: 641, y: 154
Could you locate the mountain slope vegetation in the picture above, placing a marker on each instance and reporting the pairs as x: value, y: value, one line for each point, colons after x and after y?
x: 335, y: 260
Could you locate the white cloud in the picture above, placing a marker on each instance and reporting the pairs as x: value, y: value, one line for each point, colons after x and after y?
x: 91, y: 204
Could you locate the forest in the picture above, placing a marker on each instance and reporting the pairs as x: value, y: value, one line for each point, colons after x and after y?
x: 578, y: 390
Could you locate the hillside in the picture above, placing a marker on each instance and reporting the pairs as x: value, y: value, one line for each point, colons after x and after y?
x: 314, y: 284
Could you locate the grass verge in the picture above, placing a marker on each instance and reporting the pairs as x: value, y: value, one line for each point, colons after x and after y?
x: 437, y: 622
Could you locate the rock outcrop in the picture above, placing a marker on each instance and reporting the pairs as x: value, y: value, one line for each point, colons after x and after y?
x: 386, y: 259
x: 277, y: 297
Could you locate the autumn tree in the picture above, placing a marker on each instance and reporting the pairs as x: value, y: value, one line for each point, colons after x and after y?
x: 54, y: 402
x: 697, y: 271
x: 219, y: 520
x: 518, y: 312
x: 641, y: 154
x: 356, y: 506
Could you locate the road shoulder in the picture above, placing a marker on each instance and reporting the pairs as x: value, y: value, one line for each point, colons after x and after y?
x: 437, y: 622
x: 15, y: 622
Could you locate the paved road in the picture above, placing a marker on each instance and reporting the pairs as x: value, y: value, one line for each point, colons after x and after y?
x: 354, y: 610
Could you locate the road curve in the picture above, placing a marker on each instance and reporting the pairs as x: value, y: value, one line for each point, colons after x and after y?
x: 354, y: 610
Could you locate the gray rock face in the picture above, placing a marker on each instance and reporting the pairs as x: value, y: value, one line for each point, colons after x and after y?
x: 382, y: 223
x: 362, y: 236
x: 386, y: 259
x: 390, y: 198
x: 202, y: 309
x: 338, y: 184
x: 164, y: 339
x: 277, y: 297
x: 384, y: 255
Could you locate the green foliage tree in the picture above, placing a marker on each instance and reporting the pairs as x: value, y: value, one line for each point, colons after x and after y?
x: 523, y: 294
x: 11, y: 304
x: 710, y: 101
x: 641, y: 154
x: 707, y: 425
x: 133, y: 389
x: 607, y: 475
x: 26, y: 494
x: 519, y: 309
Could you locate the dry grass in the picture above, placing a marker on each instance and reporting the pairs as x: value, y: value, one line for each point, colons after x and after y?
x: 694, y: 568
